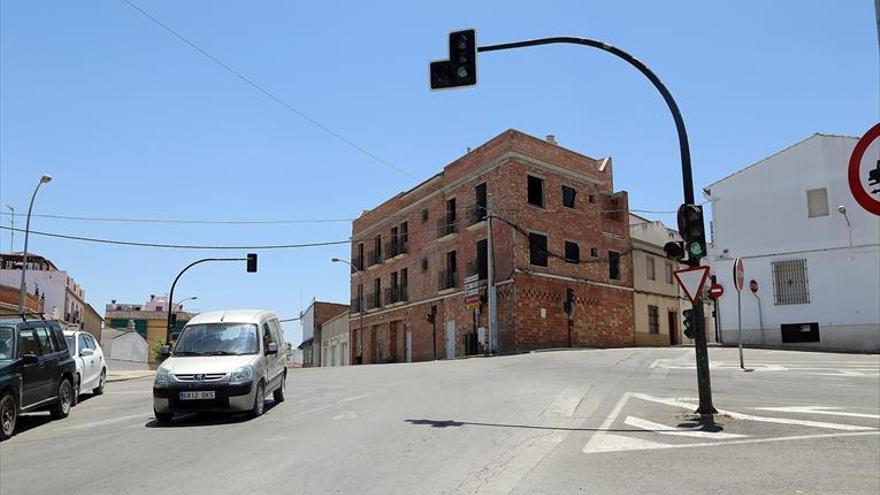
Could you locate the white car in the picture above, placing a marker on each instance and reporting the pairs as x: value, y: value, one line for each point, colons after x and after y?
x: 91, y: 369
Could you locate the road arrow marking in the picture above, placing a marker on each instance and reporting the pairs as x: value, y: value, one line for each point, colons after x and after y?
x: 834, y: 411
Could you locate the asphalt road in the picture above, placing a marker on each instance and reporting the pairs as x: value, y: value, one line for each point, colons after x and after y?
x: 590, y: 421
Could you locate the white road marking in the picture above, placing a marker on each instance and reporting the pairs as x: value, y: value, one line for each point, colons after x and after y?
x: 566, y: 403
x: 682, y: 432
x: 597, y: 441
x: 356, y: 397
x: 659, y: 373
x: 106, y: 421
x: 638, y: 444
x: 834, y: 411
x: 346, y: 415
x: 750, y: 417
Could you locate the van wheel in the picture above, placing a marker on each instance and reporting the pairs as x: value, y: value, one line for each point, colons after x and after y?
x: 8, y: 415
x: 61, y: 407
x: 259, y: 400
x: 278, y: 394
x: 76, y: 391
x: 163, y: 418
x: 101, y: 381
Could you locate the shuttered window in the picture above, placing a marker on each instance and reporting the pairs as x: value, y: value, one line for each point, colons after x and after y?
x: 817, y: 202
x: 790, y: 283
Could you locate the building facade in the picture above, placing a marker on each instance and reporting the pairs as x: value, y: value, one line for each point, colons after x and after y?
x: 9, y: 301
x: 149, y: 320
x: 812, y: 250
x: 312, y: 320
x: 557, y: 225
x: 63, y: 299
x: 92, y: 321
x: 335, y: 341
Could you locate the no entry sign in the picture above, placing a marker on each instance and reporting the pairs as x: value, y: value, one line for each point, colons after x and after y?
x: 753, y: 286
x: 716, y: 291
x: 738, y: 274
x: 864, y: 171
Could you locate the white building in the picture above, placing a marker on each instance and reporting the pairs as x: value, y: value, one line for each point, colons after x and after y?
x: 817, y: 269
x: 334, y: 341
x: 64, y: 298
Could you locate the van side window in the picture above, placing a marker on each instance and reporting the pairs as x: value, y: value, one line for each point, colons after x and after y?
x: 277, y: 332
x: 267, y: 336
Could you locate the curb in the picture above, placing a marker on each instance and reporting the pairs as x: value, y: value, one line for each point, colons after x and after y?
x: 124, y: 378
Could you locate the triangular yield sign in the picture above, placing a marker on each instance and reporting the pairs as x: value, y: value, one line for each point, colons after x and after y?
x: 692, y: 280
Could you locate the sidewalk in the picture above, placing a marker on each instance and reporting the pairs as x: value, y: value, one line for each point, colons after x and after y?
x: 123, y: 375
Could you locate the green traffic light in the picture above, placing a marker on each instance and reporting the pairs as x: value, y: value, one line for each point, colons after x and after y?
x: 461, y: 72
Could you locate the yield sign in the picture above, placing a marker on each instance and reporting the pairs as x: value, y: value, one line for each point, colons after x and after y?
x: 692, y: 280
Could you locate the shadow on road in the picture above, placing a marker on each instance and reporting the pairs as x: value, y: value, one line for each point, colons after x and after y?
x: 27, y: 422
x: 450, y: 423
x: 197, y: 419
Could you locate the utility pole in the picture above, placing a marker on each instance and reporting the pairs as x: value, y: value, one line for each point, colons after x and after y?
x: 11, y: 229
x: 490, y: 278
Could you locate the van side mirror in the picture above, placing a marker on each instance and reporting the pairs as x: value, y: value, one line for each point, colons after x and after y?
x: 30, y: 358
x: 272, y: 349
x: 165, y: 351
x: 86, y: 352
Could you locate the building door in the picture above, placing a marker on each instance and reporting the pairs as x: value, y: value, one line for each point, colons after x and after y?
x: 672, y: 316
x: 450, y: 339
x: 408, y: 346
x: 392, y: 339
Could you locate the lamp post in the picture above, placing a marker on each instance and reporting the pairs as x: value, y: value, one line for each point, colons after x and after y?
x: 362, y: 306
x: 12, y: 229
x: 22, y: 291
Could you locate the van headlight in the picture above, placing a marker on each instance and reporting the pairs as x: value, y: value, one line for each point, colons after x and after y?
x: 162, y: 376
x: 243, y: 374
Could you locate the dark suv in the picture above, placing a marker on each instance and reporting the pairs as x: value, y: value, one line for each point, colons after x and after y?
x: 36, y: 371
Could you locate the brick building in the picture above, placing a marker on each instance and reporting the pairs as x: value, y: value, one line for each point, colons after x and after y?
x: 558, y: 225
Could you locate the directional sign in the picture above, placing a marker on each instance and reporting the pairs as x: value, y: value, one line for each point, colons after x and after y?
x: 692, y: 280
x: 864, y: 171
x: 738, y: 274
x: 472, y: 292
x: 716, y: 291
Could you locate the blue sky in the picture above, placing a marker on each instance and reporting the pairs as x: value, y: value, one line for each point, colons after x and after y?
x: 131, y: 122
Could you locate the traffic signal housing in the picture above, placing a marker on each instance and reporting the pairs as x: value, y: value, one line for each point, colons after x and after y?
x: 252, y: 262
x: 690, y: 226
x: 461, y: 67
x: 689, y: 324
x: 674, y: 250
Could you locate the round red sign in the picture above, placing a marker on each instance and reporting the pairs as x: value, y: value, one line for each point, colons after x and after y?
x: 738, y: 274
x: 753, y: 286
x: 716, y: 291
x: 862, y: 177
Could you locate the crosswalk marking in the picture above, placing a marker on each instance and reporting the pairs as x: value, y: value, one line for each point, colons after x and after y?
x: 819, y: 410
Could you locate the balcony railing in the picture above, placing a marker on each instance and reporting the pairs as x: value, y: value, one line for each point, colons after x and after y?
x: 475, y: 214
x: 446, y: 226
x: 395, y: 247
x: 374, y: 300
x: 358, y: 263
x: 374, y: 257
x: 395, y: 294
x: 356, y: 305
x: 447, y: 279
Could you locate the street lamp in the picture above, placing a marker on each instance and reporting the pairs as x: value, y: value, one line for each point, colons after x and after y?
x: 12, y: 228
x: 362, y: 306
x: 842, y: 210
x: 22, y: 291
x: 180, y: 303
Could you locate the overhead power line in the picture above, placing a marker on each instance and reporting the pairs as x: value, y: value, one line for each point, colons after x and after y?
x: 182, y: 221
x: 269, y: 94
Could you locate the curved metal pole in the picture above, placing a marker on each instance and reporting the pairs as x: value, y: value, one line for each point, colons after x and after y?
x: 702, y: 354
x: 22, y: 289
x: 171, y: 294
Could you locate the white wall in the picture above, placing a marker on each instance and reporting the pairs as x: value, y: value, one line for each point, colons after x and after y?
x: 53, y: 283
x: 761, y: 215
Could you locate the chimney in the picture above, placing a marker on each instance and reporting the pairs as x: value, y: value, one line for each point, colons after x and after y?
x: 551, y: 138
x: 152, y: 296
x: 112, y: 301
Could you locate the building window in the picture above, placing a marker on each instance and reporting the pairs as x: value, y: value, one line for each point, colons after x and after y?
x: 614, y: 265
x: 482, y: 259
x: 572, y: 252
x: 404, y: 236
x: 536, y: 191
x: 653, y: 319
x: 669, y: 273
x: 359, y: 303
x: 592, y: 199
x: 377, y: 293
x: 817, y: 202
x: 568, y: 195
x: 159, y: 308
x: 594, y: 253
x: 790, y: 284
x: 652, y: 275
x: 359, y: 260
x: 449, y: 278
x: 482, y: 201
x: 537, y: 249
x: 424, y: 264
x: 424, y: 215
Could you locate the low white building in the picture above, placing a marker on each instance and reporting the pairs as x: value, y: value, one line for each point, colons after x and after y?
x: 813, y: 251
x: 64, y: 299
x: 334, y: 341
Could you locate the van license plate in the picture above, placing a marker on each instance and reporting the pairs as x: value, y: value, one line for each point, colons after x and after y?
x: 197, y: 395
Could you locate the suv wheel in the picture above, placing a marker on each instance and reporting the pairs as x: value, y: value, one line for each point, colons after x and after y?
x: 101, y: 381
x: 259, y: 400
x: 61, y: 407
x: 8, y: 415
x: 278, y: 394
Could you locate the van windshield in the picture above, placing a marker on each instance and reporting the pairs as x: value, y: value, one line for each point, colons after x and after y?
x: 217, y: 339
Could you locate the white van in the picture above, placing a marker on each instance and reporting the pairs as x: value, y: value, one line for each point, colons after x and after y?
x: 222, y: 361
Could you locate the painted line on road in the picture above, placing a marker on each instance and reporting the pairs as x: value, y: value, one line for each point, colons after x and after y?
x: 598, y: 438
x: 356, y: 397
x: 682, y: 432
x: 833, y: 411
x: 566, y: 403
x: 659, y: 373
x: 105, y: 422
x: 623, y: 443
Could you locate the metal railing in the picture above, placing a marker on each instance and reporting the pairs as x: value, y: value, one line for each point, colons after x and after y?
x: 374, y: 300
x: 396, y: 294
x: 396, y: 246
x: 374, y: 257
x: 475, y: 214
x: 446, y: 225
x: 447, y: 279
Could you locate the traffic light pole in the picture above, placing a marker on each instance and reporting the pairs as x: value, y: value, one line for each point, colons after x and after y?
x: 702, y: 354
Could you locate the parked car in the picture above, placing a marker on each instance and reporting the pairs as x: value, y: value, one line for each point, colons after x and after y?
x: 36, y: 371
x: 222, y: 361
x: 91, y: 369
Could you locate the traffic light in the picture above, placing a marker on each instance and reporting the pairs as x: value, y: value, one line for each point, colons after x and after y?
x: 689, y: 324
x: 568, y: 306
x: 461, y: 68
x: 690, y: 226
x: 674, y: 250
x: 252, y: 262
